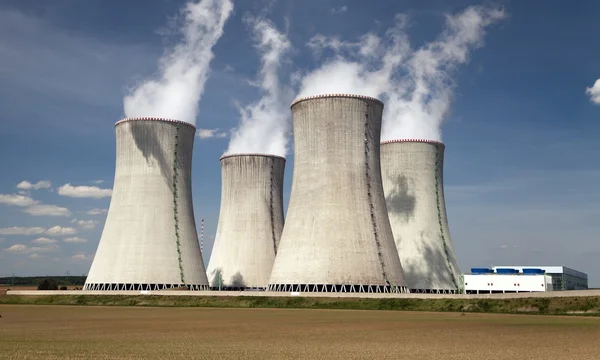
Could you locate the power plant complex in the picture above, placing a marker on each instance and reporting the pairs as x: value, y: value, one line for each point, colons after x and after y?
x: 363, y: 216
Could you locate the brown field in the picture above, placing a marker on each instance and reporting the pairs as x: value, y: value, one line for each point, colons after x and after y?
x: 72, y: 332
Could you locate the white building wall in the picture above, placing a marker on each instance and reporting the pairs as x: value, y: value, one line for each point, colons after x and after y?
x: 507, y: 283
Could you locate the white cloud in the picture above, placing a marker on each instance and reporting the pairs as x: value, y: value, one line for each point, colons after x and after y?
x: 339, y: 10
x: 24, y: 249
x: 75, y: 240
x: 594, y: 92
x: 44, y: 241
x: 210, y: 133
x: 47, y: 210
x: 17, y: 248
x: 83, y: 191
x: 59, y: 230
x: 97, y: 211
x: 53, y: 231
x: 98, y: 181
x: 17, y: 200
x: 17, y: 230
x: 80, y: 256
x: 26, y: 185
x: 34, y: 256
x: 85, y: 224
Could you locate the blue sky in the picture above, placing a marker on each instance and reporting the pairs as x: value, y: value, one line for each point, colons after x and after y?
x: 521, y: 169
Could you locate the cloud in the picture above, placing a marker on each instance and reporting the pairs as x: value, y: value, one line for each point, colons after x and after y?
x: 210, y: 133
x: 16, y: 230
x: 34, y: 256
x: 85, y: 224
x: 53, y: 231
x: 97, y: 211
x: 339, y: 10
x: 594, y: 92
x: 97, y: 181
x: 264, y: 124
x: 80, y: 256
x: 175, y: 92
x: 33, y: 207
x: 75, y: 240
x: 26, y: 185
x: 59, y: 230
x: 44, y: 241
x: 47, y: 210
x: 415, y: 84
x: 21, y: 248
x: 83, y: 191
x: 17, y: 248
x: 17, y: 200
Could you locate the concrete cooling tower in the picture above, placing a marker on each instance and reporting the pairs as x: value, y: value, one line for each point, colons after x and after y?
x: 149, y: 241
x: 337, y: 236
x: 250, y: 221
x: 412, y: 172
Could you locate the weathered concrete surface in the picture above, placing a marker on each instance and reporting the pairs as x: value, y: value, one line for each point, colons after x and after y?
x: 412, y: 173
x: 337, y: 230
x: 139, y: 244
x: 250, y: 221
x: 547, y: 294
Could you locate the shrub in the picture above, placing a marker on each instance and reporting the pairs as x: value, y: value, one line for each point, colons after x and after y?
x: 63, y: 288
x: 48, y: 284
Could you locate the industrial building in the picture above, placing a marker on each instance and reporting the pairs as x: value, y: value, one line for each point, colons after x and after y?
x: 149, y: 240
x: 250, y: 221
x: 412, y: 174
x: 563, y: 278
x: 337, y: 236
x: 506, y: 280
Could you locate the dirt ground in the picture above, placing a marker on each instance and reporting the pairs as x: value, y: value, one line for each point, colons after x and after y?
x: 70, y: 332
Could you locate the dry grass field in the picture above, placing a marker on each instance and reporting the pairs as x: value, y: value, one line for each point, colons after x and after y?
x: 88, y: 332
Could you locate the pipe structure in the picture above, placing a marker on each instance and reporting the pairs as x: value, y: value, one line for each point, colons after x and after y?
x: 149, y: 240
x: 413, y: 183
x: 337, y: 236
x: 250, y: 221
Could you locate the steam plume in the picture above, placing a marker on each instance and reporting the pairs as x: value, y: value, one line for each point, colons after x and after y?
x: 183, y: 69
x: 264, y: 124
x: 594, y: 92
x: 416, y: 84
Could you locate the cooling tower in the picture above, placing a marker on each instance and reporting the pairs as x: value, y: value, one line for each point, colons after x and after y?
x: 250, y: 221
x: 412, y: 172
x: 149, y: 241
x: 337, y: 236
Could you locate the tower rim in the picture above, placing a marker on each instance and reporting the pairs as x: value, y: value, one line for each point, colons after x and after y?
x: 251, y: 154
x: 155, y: 119
x: 335, y: 95
x: 415, y: 140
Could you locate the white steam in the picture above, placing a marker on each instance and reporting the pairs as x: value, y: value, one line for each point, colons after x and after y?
x: 415, y: 84
x: 264, y: 124
x: 183, y: 70
x: 594, y: 92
